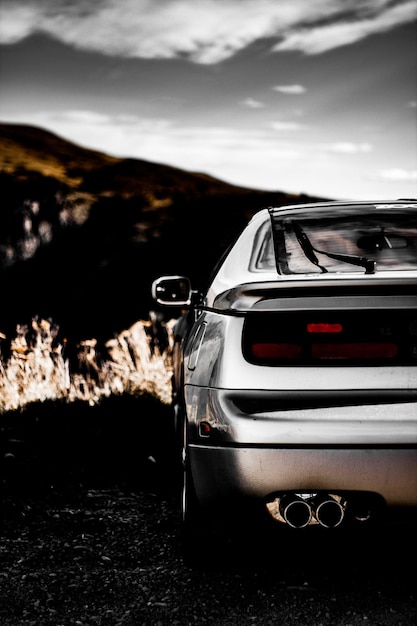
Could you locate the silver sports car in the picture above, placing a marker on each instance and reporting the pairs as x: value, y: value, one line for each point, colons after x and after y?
x: 295, y: 372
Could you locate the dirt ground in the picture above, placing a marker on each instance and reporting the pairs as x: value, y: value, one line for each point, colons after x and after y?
x: 84, y: 547
x: 111, y: 557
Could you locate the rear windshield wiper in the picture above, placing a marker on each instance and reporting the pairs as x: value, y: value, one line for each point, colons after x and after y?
x: 309, y: 250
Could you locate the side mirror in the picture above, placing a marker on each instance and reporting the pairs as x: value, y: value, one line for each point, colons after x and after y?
x: 172, y: 291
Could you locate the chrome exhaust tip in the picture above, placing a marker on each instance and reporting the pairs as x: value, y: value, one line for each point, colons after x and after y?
x: 328, y: 511
x: 295, y: 511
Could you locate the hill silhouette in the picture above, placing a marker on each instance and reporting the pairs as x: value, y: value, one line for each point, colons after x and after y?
x: 83, y: 234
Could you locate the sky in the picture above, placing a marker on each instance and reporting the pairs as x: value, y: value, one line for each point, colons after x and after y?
x: 301, y: 96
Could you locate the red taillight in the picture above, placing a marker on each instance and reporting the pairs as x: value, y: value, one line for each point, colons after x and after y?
x: 354, y: 350
x: 204, y: 429
x: 324, y: 328
x: 269, y: 351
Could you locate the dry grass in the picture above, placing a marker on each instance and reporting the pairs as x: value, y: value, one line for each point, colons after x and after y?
x: 37, y: 368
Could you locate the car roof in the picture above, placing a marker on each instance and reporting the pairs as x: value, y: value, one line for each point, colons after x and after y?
x: 400, y: 203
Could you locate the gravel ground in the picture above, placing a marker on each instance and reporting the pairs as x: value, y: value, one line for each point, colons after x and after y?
x: 82, y: 544
x: 111, y: 557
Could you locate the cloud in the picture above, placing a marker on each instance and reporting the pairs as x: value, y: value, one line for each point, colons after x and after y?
x: 342, y: 32
x: 397, y: 174
x: 286, y: 126
x: 84, y: 117
x: 291, y: 90
x: 250, y: 103
x: 93, y: 118
x: 348, y: 147
x: 201, y: 31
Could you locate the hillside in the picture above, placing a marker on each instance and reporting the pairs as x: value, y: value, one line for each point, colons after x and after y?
x: 27, y: 150
x: 83, y: 234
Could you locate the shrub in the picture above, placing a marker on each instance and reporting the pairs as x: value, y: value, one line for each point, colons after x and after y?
x: 37, y: 367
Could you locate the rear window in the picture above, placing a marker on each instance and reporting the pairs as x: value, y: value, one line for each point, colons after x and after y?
x: 348, y: 238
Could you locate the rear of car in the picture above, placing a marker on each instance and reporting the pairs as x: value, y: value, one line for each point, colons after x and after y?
x: 297, y: 391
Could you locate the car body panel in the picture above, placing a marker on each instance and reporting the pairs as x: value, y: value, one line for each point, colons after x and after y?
x: 391, y: 423
x: 222, y: 474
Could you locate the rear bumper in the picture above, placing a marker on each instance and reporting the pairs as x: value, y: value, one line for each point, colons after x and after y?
x: 246, y: 444
x: 229, y: 473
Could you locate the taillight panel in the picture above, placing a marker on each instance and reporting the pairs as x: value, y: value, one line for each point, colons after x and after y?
x: 355, y: 337
x: 355, y: 350
x: 271, y: 350
x: 324, y: 327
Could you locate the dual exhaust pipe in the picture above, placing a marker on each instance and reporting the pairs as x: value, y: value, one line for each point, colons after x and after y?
x: 301, y: 510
